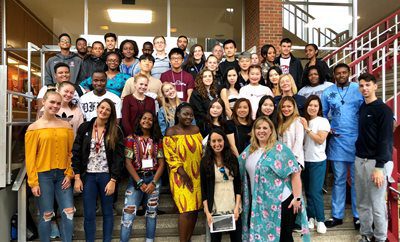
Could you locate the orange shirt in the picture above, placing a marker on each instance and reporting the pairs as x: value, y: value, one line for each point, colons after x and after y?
x: 47, y: 149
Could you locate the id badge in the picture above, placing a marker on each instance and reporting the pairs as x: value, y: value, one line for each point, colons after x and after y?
x: 147, y: 163
x: 180, y: 95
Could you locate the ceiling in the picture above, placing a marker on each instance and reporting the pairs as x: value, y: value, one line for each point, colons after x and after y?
x: 194, y: 18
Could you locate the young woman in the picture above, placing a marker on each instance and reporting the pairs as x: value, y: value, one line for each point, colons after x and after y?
x: 48, y: 144
x: 215, y: 118
x: 238, y: 129
x: 115, y: 79
x: 220, y: 183
x: 288, y: 89
x: 290, y: 129
x: 311, y: 51
x: 98, y: 153
x: 313, y: 84
x: 266, y: 107
x: 254, y: 59
x: 144, y: 160
x: 182, y: 150
x: 135, y: 104
x: 230, y: 93
x: 254, y: 91
x: 169, y: 101
x: 129, y: 64
x: 201, y: 97
x: 273, y: 75
x: 271, y: 188
x: 212, y: 64
x: 268, y: 55
x: 196, y: 60
x: 69, y: 110
x: 317, y: 129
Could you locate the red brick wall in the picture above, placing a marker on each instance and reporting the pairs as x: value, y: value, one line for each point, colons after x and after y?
x: 263, y: 22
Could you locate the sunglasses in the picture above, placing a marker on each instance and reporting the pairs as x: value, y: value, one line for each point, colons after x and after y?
x: 222, y: 170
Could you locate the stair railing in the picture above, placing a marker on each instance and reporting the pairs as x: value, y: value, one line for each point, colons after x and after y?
x: 366, y: 41
x: 295, y: 19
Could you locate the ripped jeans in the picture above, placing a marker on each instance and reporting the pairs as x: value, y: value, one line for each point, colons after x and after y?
x: 50, y: 187
x: 133, y: 199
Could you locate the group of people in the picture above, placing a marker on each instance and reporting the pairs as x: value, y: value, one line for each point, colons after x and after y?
x: 234, y: 135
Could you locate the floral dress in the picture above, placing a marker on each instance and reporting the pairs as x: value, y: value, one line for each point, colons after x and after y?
x: 272, y: 174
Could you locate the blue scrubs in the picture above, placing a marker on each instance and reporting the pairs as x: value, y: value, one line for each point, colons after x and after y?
x: 341, y: 107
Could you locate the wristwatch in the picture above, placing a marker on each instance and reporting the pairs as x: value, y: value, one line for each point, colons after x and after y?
x: 298, y: 199
x: 308, y: 130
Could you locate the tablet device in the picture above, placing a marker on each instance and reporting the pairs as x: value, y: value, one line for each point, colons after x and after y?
x: 222, y: 223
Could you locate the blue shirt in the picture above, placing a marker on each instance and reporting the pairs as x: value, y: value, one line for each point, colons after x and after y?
x: 130, y: 70
x: 161, y: 65
x: 341, y: 106
x: 114, y: 85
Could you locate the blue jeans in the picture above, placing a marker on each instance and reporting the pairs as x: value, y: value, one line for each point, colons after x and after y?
x: 93, y: 185
x: 339, y: 189
x: 313, y: 178
x: 133, y: 199
x: 50, y: 187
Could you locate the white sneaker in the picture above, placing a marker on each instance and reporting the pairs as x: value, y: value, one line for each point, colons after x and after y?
x: 311, y: 223
x: 321, y: 228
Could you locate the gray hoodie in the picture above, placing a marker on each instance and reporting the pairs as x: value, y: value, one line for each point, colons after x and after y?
x: 74, y: 62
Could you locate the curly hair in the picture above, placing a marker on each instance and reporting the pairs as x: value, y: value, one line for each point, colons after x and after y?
x: 201, y: 88
x: 155, y: 132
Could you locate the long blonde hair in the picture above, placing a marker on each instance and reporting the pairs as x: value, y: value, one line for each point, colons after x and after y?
x: 293, y: 83
x: 166, y: 104
x: 254, y: 144
x: 285, y: 122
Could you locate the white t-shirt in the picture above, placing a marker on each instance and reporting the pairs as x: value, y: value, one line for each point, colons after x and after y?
x: 251, y: 164
x: 314, y: 152
x: 285, y: 65
x: 89, y: 103
x: 317, y: 90
x: 254, y: 94
x: 293, y: 138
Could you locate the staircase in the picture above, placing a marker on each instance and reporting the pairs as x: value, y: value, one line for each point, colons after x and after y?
x: 167, y: 224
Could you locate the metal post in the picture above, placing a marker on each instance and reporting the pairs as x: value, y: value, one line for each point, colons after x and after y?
x: 5, y: 176
x: 85, y: 18
x: 42, y: 66
x: 22, y: 212
x: 3, y: 34
x: 29, y: 78
x: 355, y: 13
x: 168, y: 18
x: 244, y: 27
x: 383, y: 73
x: 9, y: 137
x: 395, y: 75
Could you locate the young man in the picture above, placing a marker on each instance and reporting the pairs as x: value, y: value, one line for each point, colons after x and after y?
x: 147, y: 48
x: 90, y: 100
x: 81, y: 47
x: 111, y: 41
x: 374, y: 148
x: 66, y: 56
x: 230, y: 61
x: 244, y: 64
x: 343, y: 102
x: 93, y: 62
x: 218, y: 52
x: 146, y: 63
x: 161, y: 63
x: 182, y: 44
x: 288, y: 63
x: 182, y: 80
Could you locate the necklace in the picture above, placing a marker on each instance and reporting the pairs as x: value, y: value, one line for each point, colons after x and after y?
x: 97, y: 139
x: 342, y: 97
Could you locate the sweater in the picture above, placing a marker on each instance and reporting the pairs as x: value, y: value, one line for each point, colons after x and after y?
x: 375, y: 132
x: 132, y: 108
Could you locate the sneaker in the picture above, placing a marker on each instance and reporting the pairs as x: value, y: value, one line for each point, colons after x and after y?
x: 364, y: 239
x: 297, y: 228
x: 311, y: 223
x: 356, y: 222
x: 321, y: 228
x: 332, y: 222
x: 55, y: 233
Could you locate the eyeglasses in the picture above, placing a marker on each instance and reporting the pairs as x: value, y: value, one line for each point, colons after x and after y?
x: 176, y: 58
x: 222, y: 170
x: 65, y: 41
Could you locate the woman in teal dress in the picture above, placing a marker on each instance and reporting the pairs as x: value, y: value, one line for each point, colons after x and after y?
x: 271, y: 188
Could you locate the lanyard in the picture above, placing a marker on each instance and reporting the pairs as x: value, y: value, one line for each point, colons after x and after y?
x: 97, y: 140
x: 146, y: 147
x: 197, y: 70
x: 181, y: 80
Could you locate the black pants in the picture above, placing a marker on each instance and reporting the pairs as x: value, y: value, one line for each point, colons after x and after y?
x: 287, y: 221
x: 236, y: 235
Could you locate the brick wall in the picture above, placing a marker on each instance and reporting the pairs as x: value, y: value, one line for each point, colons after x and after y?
x: 263, y: 22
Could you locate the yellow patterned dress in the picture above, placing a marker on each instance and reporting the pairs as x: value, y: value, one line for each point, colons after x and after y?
x: 184, y: 150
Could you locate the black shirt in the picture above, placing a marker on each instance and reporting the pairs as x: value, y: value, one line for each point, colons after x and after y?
x: 241, y: 133
x: 225, y: 65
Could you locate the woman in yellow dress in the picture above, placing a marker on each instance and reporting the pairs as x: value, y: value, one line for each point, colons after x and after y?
x: 182, y: 150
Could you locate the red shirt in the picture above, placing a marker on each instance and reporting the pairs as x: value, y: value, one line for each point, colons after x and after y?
x: 136, y: 147
x: 133, y: 108
x: 181, y: 80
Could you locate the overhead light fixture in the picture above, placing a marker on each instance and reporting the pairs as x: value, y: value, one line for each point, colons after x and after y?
x: 229, y: 10
x: 104, y: 27
x: 130, y: 16
x: 11, y: 61
x: 174, y: 30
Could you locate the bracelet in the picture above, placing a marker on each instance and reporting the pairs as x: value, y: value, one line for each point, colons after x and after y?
x: 113, y: 180
x: 139, y: 183
x: 308, y: 130
x: 154, y: 183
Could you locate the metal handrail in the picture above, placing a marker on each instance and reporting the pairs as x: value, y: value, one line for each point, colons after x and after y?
x: 20, y: 178
x: 365, y: 33
x: 20, y: 94
x: 298, y: 8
